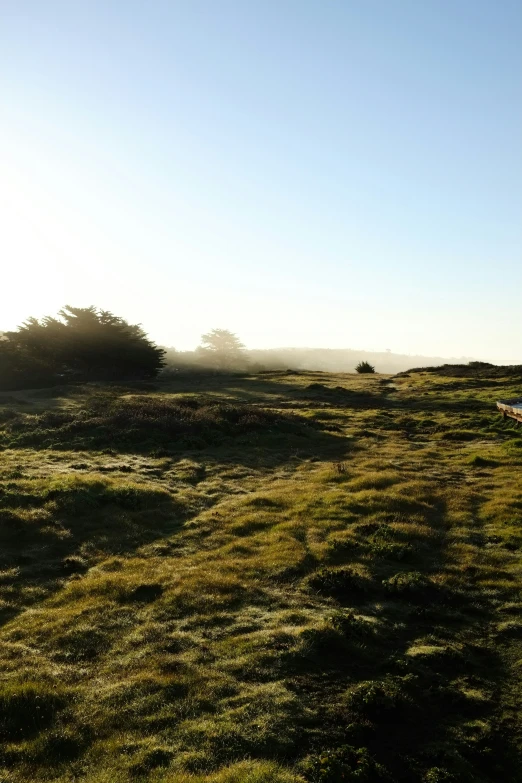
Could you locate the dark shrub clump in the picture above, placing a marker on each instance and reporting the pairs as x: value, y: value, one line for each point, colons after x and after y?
x: 143, y: 422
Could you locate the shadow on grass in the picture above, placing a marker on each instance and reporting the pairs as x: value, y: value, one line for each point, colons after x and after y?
x: 401, y: 669
x: 441, y: 405
x: 55, y: 530
x: 283, y: 390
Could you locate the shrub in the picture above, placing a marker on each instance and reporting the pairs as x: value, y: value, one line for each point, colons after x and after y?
x: 438, y: 774
x: 339, y: 582
x: 74, y: 565
x: 409, y: 583
x: 391, y: 550
x: 365, y: 367
x: 342, y: 764
x: 382, y: 700
x: 352, y: 627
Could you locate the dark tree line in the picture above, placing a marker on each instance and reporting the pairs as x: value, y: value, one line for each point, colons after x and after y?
x: 85, y: 344
x: 81, y: 344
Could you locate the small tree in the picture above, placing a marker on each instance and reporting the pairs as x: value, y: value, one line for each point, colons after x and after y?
x: 363, y: 367
x: 223, y: 349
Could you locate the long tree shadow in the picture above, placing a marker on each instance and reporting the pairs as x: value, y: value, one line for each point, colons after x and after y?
x: 300, y: 389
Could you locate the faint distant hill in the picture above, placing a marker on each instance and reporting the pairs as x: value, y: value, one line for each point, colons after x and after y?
x: 345, y: 359
x: 319, y: 359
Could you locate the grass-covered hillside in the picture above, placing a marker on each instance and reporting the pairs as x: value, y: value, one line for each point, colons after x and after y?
x: 282, y: 578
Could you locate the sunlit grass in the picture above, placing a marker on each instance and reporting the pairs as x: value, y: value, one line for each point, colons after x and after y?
x: 277, y: 606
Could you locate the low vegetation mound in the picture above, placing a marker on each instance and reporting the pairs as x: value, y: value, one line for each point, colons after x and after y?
x: 471, y: 370
x: 142, y: 423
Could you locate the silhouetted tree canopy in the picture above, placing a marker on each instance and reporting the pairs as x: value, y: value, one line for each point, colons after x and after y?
x: 223, y: 350
x: 81, y: 344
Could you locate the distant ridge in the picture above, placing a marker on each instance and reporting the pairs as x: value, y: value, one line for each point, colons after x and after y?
x: 345, y: 359
x: 315, y: 360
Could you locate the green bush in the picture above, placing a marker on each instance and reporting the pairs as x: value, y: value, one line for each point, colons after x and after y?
x: 391, y: 550
x: 438, y: 774
x: 409, y: 583
x: 352, y: 627
x: 343, y: 764
x: 338, y: 582
x: 382, y: 700
x: 365, y: 367
x: 382, y: 544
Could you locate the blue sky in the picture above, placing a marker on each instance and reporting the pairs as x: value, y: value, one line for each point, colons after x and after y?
x: 343, y: 173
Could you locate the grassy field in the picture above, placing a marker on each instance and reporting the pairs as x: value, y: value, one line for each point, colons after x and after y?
x: 279, y: 578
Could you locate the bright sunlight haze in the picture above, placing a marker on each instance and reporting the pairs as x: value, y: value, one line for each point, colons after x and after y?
x: 341, y: 174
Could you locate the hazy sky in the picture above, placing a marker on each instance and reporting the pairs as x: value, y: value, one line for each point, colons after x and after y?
x: 337, y: 173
